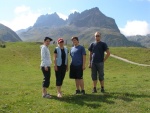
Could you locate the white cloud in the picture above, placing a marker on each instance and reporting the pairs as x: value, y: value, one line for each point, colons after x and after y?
x: 135, y: 28
x: 24, y: 17
x: 21, y: 9
x: 62, y: 16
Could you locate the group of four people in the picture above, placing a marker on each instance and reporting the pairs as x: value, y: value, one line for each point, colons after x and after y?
x: 77, y: 65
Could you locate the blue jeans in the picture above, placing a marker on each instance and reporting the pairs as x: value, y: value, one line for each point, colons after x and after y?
x: 97, y: 68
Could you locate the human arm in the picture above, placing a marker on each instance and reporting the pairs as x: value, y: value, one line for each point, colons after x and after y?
x: 84, y: 58
x: 90, y: 55
x: 67, y: 60
x: 107, y: 55
x: 84, y: 61
x: 90, y: 59
x: 67, y: 66
x: 55, y: 61
x: 43, y: 57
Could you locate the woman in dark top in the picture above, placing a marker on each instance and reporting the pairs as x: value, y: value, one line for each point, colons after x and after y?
x: 61, y: 64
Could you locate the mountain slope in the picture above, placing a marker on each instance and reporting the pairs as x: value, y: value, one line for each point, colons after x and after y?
x: 6, y: 34
x: 83, y: 25
x: 52, y: 20
x: 143, y: 40
x: 93, y: 18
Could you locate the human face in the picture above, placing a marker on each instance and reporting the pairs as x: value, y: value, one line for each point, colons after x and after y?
x: 61, y: 44
x: 97, y: 37
x: 47, y: 42
x: 75, y: 42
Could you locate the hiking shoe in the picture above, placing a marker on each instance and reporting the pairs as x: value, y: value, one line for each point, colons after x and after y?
x: 94, y: 90
x: 83, y: 92
x: 77, y: 92
x: 102, y: 90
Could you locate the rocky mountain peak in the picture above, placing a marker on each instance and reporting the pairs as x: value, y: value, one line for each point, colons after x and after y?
x: 52, y: 20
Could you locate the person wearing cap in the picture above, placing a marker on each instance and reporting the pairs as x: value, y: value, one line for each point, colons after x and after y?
x: 45, y: 66
x: 97, y: 59
x: 61, y: 64
x: 77, y: 65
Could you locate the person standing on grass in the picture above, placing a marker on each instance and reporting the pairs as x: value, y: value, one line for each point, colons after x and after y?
x: 45, y: 66
x: 97, y: 59
x: 77, y: 65
x: 61, y: 64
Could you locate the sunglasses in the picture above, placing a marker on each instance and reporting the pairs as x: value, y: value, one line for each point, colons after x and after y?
x: 97, y: 36
x: 61, y: 42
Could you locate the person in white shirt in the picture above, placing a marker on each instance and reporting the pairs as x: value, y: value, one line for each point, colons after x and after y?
x: 45, y: 66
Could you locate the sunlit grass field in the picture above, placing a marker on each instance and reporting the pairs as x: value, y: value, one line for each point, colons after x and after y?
x: 127, y: 86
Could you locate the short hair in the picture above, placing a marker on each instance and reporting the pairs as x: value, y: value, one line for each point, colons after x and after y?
x: 76, y: 38
x: 97, y: 33
x: 48, y: 38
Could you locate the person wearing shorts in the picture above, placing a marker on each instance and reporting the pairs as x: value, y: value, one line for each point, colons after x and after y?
x: 45, y: 66
x: 61, y: 64
x: 97, y: 59
x: 77, y: 65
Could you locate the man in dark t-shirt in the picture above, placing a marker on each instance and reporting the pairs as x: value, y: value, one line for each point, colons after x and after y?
x: 97, y: 59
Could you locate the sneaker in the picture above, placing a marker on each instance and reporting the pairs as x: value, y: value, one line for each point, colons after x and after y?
x: 83, y: 92
x: 102, y: 90
x: 94, y: 90
x: 77, y: 92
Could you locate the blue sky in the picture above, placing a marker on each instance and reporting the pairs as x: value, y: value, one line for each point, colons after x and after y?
x: 131, y: 16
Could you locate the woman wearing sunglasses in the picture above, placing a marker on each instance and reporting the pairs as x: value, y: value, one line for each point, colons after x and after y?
x: 61, y: 64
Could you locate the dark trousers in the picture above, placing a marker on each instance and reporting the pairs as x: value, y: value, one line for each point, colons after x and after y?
x: 60, y: 74
x: 47, y: 75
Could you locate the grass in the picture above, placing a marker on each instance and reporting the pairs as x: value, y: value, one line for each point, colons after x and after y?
x: 127, y: 85
x: 140, y: 55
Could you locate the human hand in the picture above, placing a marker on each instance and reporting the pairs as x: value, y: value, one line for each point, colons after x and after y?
x: 55, y: 67
x: 67, y: 68
x: 46, y: 68
x: 83, y: 67
x: 90, y: 65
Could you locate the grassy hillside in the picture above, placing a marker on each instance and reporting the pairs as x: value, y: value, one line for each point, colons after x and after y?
x: 127, y: 85
x: 140, y: 55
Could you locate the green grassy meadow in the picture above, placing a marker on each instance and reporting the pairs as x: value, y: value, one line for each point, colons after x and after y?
x: 127, y: 86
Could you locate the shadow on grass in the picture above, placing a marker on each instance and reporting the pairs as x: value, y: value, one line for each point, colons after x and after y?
x: 95, y: 100
x: 89, y: 100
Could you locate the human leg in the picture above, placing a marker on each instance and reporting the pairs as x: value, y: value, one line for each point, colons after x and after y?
x: 101, y: 75
x: 46, y: 80
x: 79, y: 76
x: 58, y: 81
x: 94, y: 77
